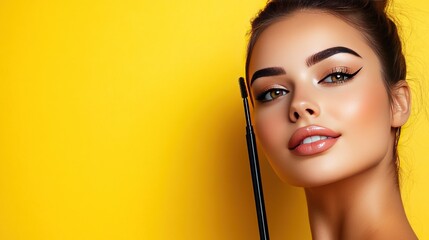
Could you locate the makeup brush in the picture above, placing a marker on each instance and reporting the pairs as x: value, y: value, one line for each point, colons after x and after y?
x: 254, y: 166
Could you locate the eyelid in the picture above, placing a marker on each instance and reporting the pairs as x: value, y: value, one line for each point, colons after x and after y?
x: 274, y: 86
x: 270, y: 87
x: 341, y: 69
x: 338, y: 69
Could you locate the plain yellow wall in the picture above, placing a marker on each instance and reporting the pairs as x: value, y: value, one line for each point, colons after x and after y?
x: 123, y: 120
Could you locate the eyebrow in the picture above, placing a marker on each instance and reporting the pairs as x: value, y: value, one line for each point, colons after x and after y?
x: 313, y: 59
x: 267, y: 72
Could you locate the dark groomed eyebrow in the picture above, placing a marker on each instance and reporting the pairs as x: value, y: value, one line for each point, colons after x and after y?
x: 313, y: 59
x: 266, y: 72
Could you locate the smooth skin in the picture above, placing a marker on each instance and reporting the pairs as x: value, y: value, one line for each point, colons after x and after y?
x: 351, y: 188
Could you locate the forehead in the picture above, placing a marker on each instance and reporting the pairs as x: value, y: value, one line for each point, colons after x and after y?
x: 295, y: 37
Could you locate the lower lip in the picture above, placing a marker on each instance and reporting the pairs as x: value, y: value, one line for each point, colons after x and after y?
x: 314, y: 147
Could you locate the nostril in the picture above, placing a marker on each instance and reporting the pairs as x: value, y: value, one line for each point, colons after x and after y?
x: 296, y: 115
x: 310, y: 111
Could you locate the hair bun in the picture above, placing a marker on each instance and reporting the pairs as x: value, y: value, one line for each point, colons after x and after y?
x: 380, y: 5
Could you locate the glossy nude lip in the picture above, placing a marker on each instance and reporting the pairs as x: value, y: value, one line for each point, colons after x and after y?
x: 297, y: 146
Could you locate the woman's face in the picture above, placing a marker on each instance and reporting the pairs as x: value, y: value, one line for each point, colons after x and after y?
x: 322, y: 112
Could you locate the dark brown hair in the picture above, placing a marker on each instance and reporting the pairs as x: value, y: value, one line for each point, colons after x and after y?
x: 368, y: 16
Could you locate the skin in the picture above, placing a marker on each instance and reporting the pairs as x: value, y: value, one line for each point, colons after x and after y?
x: 351, y: 188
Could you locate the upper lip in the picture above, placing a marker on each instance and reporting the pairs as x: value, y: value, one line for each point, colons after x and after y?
x: 301, y: 133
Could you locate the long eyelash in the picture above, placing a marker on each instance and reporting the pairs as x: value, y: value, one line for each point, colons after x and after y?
x: 342, y: 70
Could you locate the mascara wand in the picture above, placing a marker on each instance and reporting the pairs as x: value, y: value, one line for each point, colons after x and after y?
x: 254, y: 167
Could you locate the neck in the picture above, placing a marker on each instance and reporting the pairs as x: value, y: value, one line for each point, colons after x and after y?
x: 365, y: 206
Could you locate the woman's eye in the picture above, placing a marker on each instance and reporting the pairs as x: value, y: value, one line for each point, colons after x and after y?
x: 271, y: 94
x: 338, y: 77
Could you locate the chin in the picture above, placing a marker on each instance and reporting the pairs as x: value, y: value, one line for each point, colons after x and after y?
x: 325, y: 169
x: 310, y: 181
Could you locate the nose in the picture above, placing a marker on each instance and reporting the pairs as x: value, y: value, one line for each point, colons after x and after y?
x: 303, y: 107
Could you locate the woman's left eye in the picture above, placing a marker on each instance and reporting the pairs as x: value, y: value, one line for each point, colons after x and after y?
x: 338, y: 77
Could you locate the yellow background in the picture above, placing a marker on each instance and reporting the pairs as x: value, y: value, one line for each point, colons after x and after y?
x: 123, y: 120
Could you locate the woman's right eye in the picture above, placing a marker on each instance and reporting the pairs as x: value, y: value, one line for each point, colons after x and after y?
x: 271, y: 94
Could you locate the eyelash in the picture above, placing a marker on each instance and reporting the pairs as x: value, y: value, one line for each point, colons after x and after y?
x: 342, y: 72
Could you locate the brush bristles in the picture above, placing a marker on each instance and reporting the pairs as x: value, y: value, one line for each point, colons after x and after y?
x: 242, y: 87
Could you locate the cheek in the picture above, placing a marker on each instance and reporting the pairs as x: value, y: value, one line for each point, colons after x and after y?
x: 368, y: 110
x: 365, y: 120
x: 269, y: 124
x: 361, y: 105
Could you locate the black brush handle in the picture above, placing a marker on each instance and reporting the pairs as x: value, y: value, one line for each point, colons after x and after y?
x: 254, y: 167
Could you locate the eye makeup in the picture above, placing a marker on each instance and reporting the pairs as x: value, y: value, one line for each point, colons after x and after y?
x: 338, y: 75
x: 271, y: 94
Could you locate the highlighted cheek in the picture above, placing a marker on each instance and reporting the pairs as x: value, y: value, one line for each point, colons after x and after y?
x: 365, y: 115
x: 371, y: 107
x: 269, y: 130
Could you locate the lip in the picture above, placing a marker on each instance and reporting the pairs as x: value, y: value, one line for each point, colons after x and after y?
x: 315, y: 147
